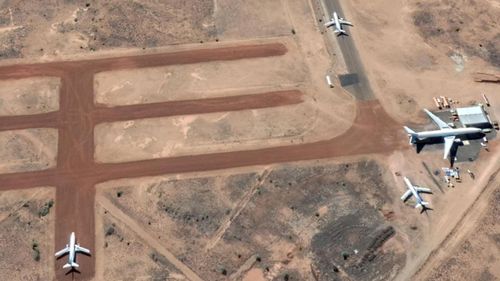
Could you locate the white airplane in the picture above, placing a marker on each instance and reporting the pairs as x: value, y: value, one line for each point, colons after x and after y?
x: 72, y: 249
x: 445, y: 131
x: 338, y: 22
x: 415, y: 191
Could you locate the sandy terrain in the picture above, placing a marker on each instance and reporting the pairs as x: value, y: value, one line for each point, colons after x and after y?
x: 28, y: 150
x: 407, y: 72
x: 324, y: 116
x: 465, y: 27
x: 26, y: 236
x: 69, y: 30
x: 412, y: 67
x: 472, y: 248
x: 29, y: 96
x: 247, y: 91
x: 122, y: 253
x: 202, y: 80
x: 233, y: 19
x: 217, y: 223
x: 39, y: 30
x: 208, y: 133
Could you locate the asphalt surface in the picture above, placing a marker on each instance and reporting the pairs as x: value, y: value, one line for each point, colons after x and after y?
x: 355, y: 82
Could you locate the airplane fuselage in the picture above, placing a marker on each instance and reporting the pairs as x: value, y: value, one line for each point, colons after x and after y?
x: 71, y: 255
x: 337, y: 22
x: 413, y: 191
x: 447, y: 132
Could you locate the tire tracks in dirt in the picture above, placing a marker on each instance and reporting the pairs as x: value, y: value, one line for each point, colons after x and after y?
x: 148, y: 238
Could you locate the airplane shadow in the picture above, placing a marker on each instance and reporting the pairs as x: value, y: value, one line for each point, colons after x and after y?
x: 425, y: 210
x: 72, y: 271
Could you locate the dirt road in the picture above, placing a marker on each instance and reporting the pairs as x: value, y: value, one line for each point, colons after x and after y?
x: 73, y: 176
x: 139, y: 230
x: 76, y: 173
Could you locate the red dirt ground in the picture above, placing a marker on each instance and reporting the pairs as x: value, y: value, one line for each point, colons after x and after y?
x: 76, y: 173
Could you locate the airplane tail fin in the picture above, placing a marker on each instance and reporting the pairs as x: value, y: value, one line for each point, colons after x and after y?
x: 409, y: 131
x: 342, y: 32
x: 412, y: 134
x: 422, y: 205
x: 73, y: 264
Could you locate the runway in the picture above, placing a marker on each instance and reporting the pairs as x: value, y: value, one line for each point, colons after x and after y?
x: 76, y: 173
x: 361, y: 88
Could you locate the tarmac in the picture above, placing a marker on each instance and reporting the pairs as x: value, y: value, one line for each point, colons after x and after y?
x: 355, y: 82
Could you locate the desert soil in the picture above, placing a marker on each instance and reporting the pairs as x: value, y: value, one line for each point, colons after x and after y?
x: 27, y: 220
x: 213, y: 84
x: 28, y: 150
x: 29, y: 96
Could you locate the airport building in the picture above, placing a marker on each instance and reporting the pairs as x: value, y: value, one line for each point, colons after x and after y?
x: 473, y: 116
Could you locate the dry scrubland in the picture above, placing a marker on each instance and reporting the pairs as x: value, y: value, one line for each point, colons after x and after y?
x: 321, y: 220
x: 290, y: 221
x: 476, y: 257
x: 29, y: 96
x: 41, y: 30
x: 28, y: 150
x: 464, y: 26
x: 26, y: 234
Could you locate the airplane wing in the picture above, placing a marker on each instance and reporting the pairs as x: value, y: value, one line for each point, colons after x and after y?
x: 62, y: 252
x: 82, y: 250
x: 342, y: 21
x: 330, y: 23
x: 448, y: 143
x: 406, y: 195
x: 440, y: 123
x: 423, y: 189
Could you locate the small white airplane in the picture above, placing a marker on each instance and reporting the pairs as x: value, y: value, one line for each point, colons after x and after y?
x: 445, y: 131
x: 338, y: 22
x: 72, y: 249
x: 415, y: 191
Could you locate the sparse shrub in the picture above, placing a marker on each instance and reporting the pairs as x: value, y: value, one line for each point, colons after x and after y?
x: 119, y: 193
x: 36, y: 250
x: 45, y: 208
x: 110, y: 231
x: 345, y: 255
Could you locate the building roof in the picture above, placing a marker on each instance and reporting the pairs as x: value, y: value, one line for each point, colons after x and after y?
x: 472, y: 115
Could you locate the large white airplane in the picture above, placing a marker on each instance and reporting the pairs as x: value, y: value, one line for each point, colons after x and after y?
x: 72, y: 249
x: 338, y: 22
x: 445, y: 131
x: 415, y: 191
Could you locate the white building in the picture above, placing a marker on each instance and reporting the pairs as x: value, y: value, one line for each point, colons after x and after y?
x: 473, y: 116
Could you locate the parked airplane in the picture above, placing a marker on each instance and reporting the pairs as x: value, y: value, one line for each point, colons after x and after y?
x: 72, y: 249
x: 338, y: 22
x: 415, y: 191
x: 445, y: 131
